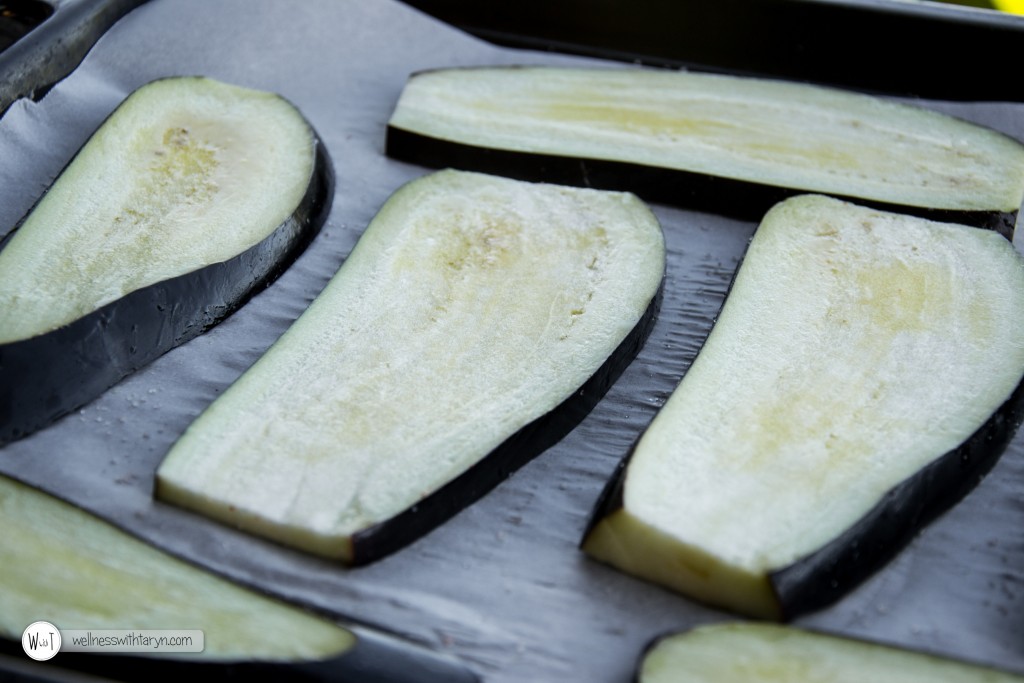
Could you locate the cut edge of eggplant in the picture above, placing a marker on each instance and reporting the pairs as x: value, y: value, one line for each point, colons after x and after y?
x: 825, y: 576
x: 429, y: 508
x: 94, y: 352
x: 333, y: 647
x: 526, y: 444
x: 740, y: 199
x: 737, y: 198
x: 821, y: 579
x: 811, y: 644
x: 374, y: 543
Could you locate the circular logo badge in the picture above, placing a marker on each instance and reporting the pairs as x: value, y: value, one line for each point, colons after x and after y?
x: 41, y: 640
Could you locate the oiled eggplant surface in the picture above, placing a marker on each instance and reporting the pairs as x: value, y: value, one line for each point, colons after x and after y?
x: 768, y: 653
x: 192, y: 196
x: 862, y: 376
x: 63, y: 565
x: 724, y: 143
x: 472, y: 307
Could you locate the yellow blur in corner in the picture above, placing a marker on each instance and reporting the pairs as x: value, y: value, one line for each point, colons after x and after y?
x: 1012, y: 6
x: 1009, y: 6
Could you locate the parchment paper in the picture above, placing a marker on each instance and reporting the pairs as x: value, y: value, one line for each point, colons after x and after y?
x: 502, y: 585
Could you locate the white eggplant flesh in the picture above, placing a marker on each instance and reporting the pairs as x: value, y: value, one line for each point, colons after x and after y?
x: 471, y: 309
x: 186, y: 173
x: 63, y: 565
x: 604, y: 127
x: 769, y: 653
x: 863, y: 372
x: 191, y: 197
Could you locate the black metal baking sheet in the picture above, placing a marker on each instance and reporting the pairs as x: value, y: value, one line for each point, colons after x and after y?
x: 19, y: 17
x: 62, y: 32
x: 905, y: 47
x: 502, y: 585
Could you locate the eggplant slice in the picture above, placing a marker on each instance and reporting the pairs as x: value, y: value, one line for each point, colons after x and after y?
x: 769, y: 653
x: 67, y: 567
x: 477, y: 320
x: 721, y: 143
x: 191, y: 197
x: 863, y: 374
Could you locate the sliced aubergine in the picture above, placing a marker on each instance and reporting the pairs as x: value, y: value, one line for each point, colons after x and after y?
x: 723, y: 143
x: 770, y: 653
x: 192, y: 196
x: 863, y: 374
x: 477, y: 320
x: 77, y: 572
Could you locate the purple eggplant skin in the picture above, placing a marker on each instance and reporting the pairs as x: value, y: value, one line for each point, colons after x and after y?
x: 520, y: 448
x: 48, y: 376
x: 823, y: 577
x: 376, y: 657
x: 739, y: 199
x: 826, y: 575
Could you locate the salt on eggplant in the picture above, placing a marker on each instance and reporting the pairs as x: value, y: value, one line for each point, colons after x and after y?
x: 191, y: 197
x: 864, y: 373
x: 728, y: 144
x: 767, y: 653
x: 477, y: 320
x: 78, y: 572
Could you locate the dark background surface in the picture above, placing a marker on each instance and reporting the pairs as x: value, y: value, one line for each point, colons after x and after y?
x: 906, y: 48
x: 502, y: 585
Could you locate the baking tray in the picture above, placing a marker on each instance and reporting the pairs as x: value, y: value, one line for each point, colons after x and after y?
x: 501, y: 586
x: 19, y: 18
x: 61, y: 33
x: 900, y: 47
